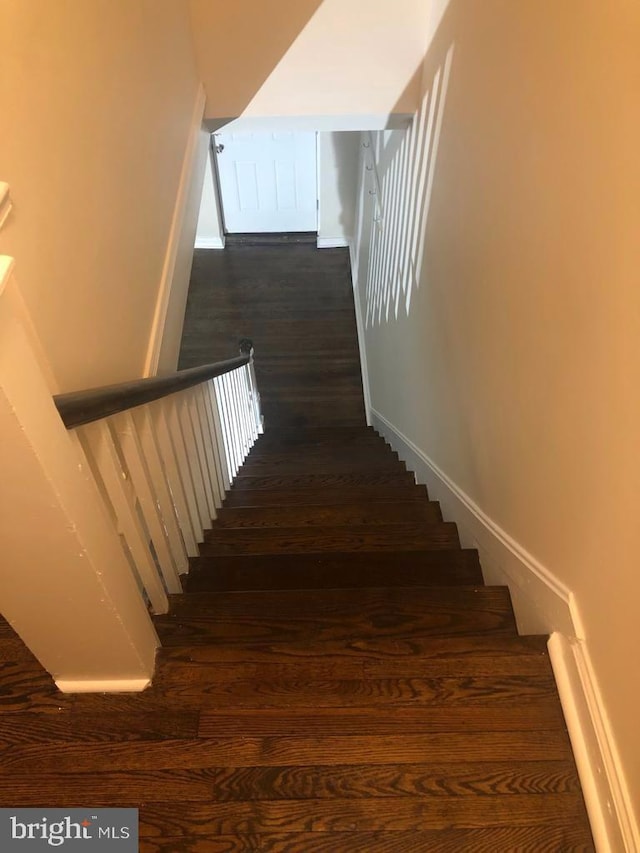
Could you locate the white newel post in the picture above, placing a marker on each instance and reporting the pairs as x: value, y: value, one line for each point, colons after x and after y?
x: 65, y: 583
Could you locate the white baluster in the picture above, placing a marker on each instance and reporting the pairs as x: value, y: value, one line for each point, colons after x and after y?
x: 218, y: 433
x: 196, y: 426
x: 157, y: 472
x: 180, y: 448
x: 100, y: 446
x: 225, y: 420
x: 197, y: 479
x: 205, y: 392
x: 131, y: 448
x: 205, y: 427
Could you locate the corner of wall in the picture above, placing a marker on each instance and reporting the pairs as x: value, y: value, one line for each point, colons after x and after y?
x: 364, y: 369
x: 543, y: 605
x: 166, y: 327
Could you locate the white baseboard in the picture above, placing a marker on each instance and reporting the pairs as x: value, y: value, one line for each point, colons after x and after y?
x: 109, y: 685
x: 210, y: 242
x: 605, y: 793
x: 332, y: 242
x: 175, y: 233
x: 543, y: 605
x: 364, y: 369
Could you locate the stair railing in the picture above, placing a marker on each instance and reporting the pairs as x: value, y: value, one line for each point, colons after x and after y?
x: 163, y: 452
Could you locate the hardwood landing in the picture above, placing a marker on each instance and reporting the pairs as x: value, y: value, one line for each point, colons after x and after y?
x: 296, y: 303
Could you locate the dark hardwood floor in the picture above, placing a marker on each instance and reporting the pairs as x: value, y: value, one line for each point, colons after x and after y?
x: 336, y: 678
x: 296, y: 304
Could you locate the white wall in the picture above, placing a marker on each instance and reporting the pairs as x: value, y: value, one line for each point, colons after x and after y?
x: 98, y: 102
x: 338, y: 173
x: 335, y: 58
x: 501, y: 287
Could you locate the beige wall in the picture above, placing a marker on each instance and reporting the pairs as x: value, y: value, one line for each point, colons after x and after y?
x: 519, y: 352
x: 97, y: 101
x: 239, y: 43
x: 320, y: 58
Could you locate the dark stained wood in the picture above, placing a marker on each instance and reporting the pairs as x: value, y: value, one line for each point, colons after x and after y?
x: 247, y: 751
x: 337, y: 678
x: 319, y: 515
x: 82, y: 407
x: 337, y: 614
x: 384, y: 479
x: 568, y: 838
x: 397, y: 536
x: 350, y: 815
x: 298, y: 497
x: 334, y: 570
x: 472, y: 655
x: 296, y: 304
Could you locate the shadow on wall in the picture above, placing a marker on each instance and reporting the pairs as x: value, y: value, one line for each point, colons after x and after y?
x: 398, y: 172
x: 345, y: 156
x: 247, y: 39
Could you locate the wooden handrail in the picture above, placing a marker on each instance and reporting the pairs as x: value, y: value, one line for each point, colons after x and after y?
x: 84, y: 407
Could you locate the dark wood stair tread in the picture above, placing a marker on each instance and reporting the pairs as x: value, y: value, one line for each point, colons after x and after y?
x: 474, y: 654
x: 339, y: 614
x: 398, y: 536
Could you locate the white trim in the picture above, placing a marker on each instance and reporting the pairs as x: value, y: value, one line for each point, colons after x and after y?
x: 5, y: 202
x: 364, y: 367
x: 332, y: 242
x: 297, y: 124
x: 605, y: 792
x: 542, y: 604
x: 177, y: 222
x: 107, y: 685
x: 210, y: 242
x: 6, y: 268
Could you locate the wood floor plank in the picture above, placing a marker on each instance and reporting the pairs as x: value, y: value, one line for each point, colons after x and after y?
x: 349, y: 815
x: 543, y: 745
x: 285, y: 693
x: 382, y: 720
x: 25, y: 686
x: 230, y: 784
x: 32, y: 727
x: 211, y: 844
x: 568, y: 838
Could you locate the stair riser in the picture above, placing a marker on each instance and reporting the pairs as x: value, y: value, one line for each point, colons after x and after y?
x: 318, y: 516
x: 394, y: 537
x: 329, y: 481
x: 306, y: 497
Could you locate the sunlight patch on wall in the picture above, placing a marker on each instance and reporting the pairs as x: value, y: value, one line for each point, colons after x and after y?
x: 399, y: 174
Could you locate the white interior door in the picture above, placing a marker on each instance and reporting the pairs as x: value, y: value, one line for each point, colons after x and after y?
x: 267, y: 181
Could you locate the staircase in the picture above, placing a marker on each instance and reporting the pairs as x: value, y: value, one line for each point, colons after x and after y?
x: 362, y: 688
x: 335, y: 678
